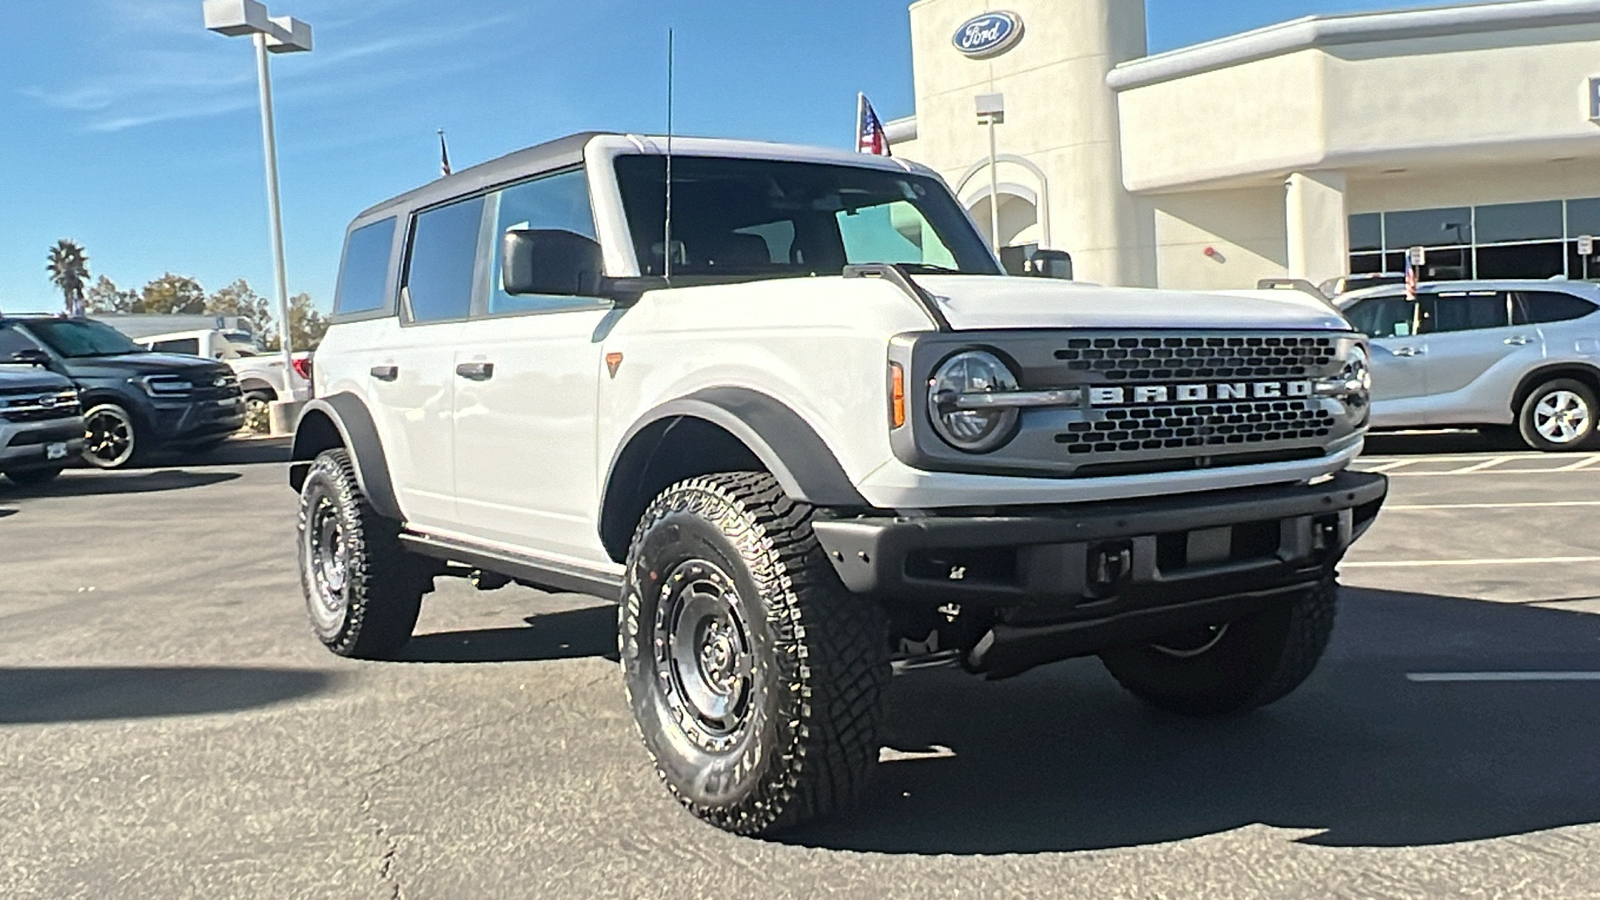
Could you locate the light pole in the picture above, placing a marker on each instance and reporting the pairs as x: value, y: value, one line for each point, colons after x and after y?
x: 992, y: 112
x: 235, y: 18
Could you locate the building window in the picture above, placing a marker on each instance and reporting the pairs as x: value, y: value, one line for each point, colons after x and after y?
x: 1512, y: 240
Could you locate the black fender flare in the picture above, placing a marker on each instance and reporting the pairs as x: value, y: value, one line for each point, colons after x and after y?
x: 359, y: 435
x: 785, y: 444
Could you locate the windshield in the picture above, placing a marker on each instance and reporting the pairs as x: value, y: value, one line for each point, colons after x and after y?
x: 748, y: 217
x: 82, y: 337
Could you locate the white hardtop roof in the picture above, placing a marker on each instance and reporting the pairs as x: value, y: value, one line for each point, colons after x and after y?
x: 1354, y: 28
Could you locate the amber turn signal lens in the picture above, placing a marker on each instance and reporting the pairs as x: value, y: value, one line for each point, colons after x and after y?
x: 897, y: 395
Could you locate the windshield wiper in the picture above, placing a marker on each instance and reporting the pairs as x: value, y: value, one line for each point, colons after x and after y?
x: 930, y: 269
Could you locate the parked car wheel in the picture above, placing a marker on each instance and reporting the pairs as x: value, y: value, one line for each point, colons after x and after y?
x: 362, y: 589
x: 28, y: 477
x: 756, y: 679
x: 1232, y: 667
x: 1559, y: 416
x: 112, y: 439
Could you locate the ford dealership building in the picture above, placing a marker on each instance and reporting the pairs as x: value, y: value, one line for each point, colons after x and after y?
x: 1309, y: 149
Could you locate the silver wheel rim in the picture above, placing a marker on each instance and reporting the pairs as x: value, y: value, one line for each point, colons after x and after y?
x: 1562, y: 417
x: 1202, y: 642
x: 108, y: 439
x: 328, y: 556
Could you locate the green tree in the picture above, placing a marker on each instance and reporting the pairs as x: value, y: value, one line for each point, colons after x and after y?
x: 306, y: 325
x: 239, y: 299
x: 105, y: 297
x: 68, y: 266
x: 172, y: 294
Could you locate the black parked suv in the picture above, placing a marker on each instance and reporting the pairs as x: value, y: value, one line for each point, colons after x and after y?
x: 133, y: 400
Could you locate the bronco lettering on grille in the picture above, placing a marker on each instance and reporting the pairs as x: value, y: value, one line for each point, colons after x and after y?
x: 1147, y: 394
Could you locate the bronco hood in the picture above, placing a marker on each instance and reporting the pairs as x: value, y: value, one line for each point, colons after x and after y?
x: 981, y: 303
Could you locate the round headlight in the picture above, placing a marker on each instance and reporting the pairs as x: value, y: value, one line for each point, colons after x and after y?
x: 964, y: 375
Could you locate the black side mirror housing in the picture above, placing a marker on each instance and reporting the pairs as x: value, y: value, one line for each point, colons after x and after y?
x: 551, y: 261
x: 1050, y: 264
x: 33, y: 357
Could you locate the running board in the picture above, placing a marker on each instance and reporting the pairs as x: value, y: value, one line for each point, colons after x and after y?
x: 544, y: 574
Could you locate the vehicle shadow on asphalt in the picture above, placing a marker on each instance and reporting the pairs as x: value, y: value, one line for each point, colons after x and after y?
x: 1401, y: 443
x: 236, y: 452
x: 84, y: 694
x: 4, y: 513
x: 97, y: 484
x: 572, y: 634
x: 1062, y: 760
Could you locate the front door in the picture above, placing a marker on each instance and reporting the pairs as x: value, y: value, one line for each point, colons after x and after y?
x: 1399, y: 379
x: 527, y: 376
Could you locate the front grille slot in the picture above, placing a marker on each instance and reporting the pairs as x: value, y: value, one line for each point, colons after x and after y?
x: 1224, y: 425
x: 1197, y: 358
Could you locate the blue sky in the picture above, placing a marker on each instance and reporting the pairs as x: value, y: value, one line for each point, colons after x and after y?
x: 127, y: 127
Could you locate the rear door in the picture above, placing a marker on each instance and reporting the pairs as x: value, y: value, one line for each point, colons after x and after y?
x: 1469, y: 340
x: 527, y: 378
x: 413, y: 371
x: 1399, y: 378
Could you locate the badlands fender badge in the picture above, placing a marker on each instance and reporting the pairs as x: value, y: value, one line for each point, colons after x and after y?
x: 1150, y: 394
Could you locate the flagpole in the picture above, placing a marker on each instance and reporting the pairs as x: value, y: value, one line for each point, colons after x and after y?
x: 861, y: 115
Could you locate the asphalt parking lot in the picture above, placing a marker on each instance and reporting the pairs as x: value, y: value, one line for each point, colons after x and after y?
x: 169, y: 727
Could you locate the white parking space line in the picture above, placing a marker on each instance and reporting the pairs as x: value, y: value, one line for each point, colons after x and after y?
x: 1483, y: 466
x: 1561, y: 471
x: 1580, y: 465
x: 1457, y: 677
x: 1410, y: 507
x: 1444, y: 563
x: 1391, y: 466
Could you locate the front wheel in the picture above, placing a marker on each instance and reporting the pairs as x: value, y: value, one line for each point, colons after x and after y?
x: 1559, y: 416
x: 30, y: 477
x: 112, y: 439
x: 362, y: 589
x: 756, y: 679
x: 1231, y: 667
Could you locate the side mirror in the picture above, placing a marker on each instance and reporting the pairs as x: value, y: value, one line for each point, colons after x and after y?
x: 547, y: 261
x: 33, y: 357
x: 1050, y: 264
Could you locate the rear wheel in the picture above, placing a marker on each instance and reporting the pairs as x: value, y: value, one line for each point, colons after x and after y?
x: 1559, y: 416
x: 362, y: 589
x: 112, y: 439
x: 29, y: 477
x: 755, y: 677
x: 1231, y: 667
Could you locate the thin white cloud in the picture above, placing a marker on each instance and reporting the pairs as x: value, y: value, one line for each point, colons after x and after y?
x: 189, y: 80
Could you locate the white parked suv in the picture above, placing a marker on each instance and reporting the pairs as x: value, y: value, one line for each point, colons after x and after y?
x: 806, y: 431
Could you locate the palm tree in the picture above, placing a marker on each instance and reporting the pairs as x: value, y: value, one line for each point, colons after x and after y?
x: 69, y: 271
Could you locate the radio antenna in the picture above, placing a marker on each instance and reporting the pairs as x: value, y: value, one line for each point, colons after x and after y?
x: 667, y: 230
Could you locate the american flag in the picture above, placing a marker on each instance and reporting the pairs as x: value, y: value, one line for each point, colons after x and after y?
x: 444, y: 156
x: 1411, y: 277
x: 870, y: 136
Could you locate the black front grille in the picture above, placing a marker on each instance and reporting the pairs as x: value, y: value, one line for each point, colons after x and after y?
x: 1198, y: 358
x: 37, y: 407
x: 1233, y: 426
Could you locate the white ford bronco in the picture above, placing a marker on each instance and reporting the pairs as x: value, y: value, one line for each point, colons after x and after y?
x: 801, y: 425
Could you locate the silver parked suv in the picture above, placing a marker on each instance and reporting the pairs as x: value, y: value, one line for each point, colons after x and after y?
x: 1486, y: 354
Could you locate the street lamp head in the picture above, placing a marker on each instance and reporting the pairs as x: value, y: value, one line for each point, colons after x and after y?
x: 292, y: 36
x: 236, y: 18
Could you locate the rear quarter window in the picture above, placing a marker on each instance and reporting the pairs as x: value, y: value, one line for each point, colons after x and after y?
x: 1540, y: 307
x: 364, y: 275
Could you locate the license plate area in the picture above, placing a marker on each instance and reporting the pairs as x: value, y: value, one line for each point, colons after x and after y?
x: 54, y: 451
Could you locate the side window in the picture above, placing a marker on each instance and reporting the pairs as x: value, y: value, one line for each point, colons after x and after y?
x: 444, y: 252
x: 365, y: 271
x: 557, y: 202
x: 1448, y: 313
x: 188, y: 346
x: 13, y: 342
x: 1383, y: 317
x: 1539, y: 307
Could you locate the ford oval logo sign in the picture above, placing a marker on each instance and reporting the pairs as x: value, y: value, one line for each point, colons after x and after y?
x: 990, y: 34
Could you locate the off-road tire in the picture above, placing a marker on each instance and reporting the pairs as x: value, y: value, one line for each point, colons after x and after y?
x: 1528, y: 418
x: 816, y: 658
x: 37, y: 476
x: 1258, y: 659
x: 372, y: 613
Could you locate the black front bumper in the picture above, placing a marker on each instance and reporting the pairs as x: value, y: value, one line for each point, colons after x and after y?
x: 199, y: 419
x: 1084, y: 577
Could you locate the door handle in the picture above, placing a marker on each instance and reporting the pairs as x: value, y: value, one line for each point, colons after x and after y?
x: 1520, y: 340
x: 385, y: 373
x: 1407, y: 351
x: 476, y: 371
